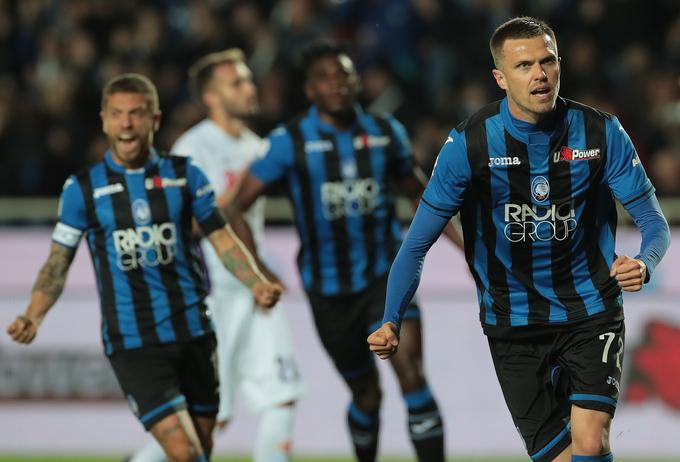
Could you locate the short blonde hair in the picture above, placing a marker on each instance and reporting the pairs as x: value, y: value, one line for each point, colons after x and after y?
x: 132, y: 83
x: 201, y: 72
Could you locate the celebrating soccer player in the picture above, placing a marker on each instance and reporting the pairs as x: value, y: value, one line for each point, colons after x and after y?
x: 533, y: 176
x: 340, y: 165
x: 254, y: 350
x: 135, y: 208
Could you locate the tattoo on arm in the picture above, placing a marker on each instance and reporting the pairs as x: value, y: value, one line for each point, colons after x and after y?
x: 240, y: 265
x: 52, y: 276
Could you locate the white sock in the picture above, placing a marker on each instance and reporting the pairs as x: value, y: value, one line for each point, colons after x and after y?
x: 151, y: 452
x: 274, y: 435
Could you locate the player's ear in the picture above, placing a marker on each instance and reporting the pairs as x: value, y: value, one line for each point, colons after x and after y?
x: 500, y: 79
x: 101, y: 114
x: 157, y: 121
x: 209, y: 98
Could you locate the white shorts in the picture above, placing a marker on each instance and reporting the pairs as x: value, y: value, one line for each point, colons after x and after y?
x: 255, y: 352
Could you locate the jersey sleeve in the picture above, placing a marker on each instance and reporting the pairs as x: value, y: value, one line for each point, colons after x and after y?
x: 403, y: 165
x: 277, y: 160
x: 450, y: 177
x: 624, y: 173
x: 72, y: 221
x: 203, y: 203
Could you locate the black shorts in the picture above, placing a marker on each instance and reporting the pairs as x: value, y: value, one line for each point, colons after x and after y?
x: 541, y: 377
x: 159, y: 380
x: 343, y: 323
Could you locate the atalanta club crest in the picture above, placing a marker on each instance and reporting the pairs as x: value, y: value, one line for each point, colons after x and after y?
x: 141, y: 211
x: 540, y: 188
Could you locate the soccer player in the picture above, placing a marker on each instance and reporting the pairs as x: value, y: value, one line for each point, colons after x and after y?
x: 254, y: 351
x: 534, y: 177
x: 341, y: 166
x: 135, y: 208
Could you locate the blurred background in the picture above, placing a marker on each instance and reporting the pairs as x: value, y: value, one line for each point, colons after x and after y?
x: 426, y: 61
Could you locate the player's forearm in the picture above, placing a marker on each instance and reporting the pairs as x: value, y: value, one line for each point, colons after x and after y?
x: 405, y: 273
x: 654, y: 229
x: 39, y: 305
x: 50, y: 282
x: 236, y: 257
x: 241, y: 228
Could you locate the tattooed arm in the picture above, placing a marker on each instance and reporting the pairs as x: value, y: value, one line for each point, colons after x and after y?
x: 237, y: 259
x: 46, y: 290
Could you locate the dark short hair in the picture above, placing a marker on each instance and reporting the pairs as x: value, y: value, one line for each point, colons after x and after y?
x: 201, y: 72
x: 518, y: 28
x: 318, y: 50
x: 132, y: 83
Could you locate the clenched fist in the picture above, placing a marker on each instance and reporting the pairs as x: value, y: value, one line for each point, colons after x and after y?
x: 267, y: 294
x: 384, y: 341
x: 629, y: 272
x: 23, y: 329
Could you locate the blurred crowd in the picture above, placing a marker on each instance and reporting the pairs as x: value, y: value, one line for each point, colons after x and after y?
x: 426, y: 61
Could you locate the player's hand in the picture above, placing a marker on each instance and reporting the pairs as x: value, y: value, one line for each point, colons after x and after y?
x: 629, y: 272
x: 23, y: 329
x: 267, y: 294
x: 384, y: 341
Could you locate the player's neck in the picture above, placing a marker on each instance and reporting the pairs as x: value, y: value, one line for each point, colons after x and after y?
x: 131, y: 163
x: 339, y: 121
x: 232, y: 126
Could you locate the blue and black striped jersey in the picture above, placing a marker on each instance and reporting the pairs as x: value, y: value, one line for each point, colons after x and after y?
x: 538, y: 215
x: 138, y: 229
x: 341, y: 184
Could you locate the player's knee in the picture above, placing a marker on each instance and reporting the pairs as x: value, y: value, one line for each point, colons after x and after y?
x: 591, y: 444
x: 184, y: 452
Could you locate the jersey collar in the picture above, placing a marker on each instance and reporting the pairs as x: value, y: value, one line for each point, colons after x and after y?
x: 541, y: 133
x: 153, y: 160
x: 313, y: 113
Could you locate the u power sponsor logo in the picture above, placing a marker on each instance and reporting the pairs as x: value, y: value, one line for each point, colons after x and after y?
x: 531, y: 223
x: 145, y: 246
x: 569, y: 154
x: 349, y: 198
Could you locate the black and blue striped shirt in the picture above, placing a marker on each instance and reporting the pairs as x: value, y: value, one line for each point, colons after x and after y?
x: 138, y: 229
x: 341, y: 184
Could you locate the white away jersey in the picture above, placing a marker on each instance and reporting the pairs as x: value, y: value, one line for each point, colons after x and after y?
x: 223, y: 158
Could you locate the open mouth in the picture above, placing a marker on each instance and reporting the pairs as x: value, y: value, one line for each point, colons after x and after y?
x: 541, y: 91
x: 127, y: 138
